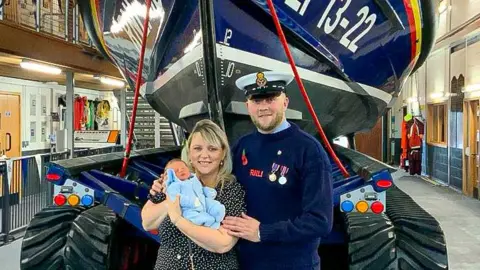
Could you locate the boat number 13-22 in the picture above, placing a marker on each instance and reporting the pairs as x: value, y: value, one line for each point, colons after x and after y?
x: 330, y: 22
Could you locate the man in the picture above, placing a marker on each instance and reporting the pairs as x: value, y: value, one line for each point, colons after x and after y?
x: 287, y: 179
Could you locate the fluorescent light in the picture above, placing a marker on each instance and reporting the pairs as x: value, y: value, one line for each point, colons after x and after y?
x: 412, y: 99
x: 472, y: 87
x: 437, y: 95
x: 40, y: 67
x: 473, y: 94
x: 111, y: 81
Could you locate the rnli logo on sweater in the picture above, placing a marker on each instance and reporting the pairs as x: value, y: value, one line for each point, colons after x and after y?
x: 256, y: 173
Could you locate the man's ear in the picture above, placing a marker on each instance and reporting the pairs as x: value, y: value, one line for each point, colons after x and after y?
x: 285, y: 103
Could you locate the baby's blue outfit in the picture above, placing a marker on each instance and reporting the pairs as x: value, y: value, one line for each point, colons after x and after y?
x: 197, y: 202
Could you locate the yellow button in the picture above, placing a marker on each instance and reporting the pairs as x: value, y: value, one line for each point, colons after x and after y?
x: 73, y: 199
x: 362, y: 206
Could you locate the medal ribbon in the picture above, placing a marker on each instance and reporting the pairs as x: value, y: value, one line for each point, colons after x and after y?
x: 275, y: 167
x: 284, y: 170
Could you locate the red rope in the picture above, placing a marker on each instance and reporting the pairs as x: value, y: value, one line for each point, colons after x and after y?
x: 137, y: 91
x: 302, y: 90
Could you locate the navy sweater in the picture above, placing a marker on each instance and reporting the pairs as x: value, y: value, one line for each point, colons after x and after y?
x: 294, y: 216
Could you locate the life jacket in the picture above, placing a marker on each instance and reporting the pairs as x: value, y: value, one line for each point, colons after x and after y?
x: 404, y: 141
x: 414, y: 139
x: 84, y: 112
x: 78, y: 114
x: 103, y: 109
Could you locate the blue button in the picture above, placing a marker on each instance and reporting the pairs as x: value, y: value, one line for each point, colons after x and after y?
x: 87, y: 200
x: 347, y: 206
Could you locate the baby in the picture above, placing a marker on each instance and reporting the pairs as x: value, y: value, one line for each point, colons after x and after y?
x: 197, y: 202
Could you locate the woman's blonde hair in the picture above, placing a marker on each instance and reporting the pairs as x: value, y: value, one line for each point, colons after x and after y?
x: 213, y: 135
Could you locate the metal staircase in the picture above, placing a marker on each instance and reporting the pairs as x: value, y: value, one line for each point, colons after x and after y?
x: 146, y: 121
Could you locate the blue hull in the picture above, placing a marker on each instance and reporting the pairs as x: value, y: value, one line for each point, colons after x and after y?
x: 353, y: 56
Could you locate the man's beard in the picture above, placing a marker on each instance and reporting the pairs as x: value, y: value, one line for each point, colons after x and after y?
x: 270, y: 126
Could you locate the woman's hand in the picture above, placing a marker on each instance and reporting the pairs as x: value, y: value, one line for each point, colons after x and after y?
x: 158, y: 186
x: 155, y: 209
x: 173, y: 208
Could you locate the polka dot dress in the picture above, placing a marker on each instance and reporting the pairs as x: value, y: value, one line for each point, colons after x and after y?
x: 175, y: 247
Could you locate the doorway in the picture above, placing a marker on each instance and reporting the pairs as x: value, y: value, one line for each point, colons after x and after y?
x: 471, y: 138
x: 370, y: 143
x: 10, y: 122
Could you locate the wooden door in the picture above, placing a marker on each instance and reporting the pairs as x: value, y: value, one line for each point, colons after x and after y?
x: 10, y: 122
x: 370, y: 143
x: 471, y: 137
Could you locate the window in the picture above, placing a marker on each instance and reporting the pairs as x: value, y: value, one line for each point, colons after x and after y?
x: 437, y: 124
x: 456, y: 112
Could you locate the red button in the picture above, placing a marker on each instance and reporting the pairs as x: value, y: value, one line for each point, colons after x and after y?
x: 377, y: 207
x: 384, y: 183
x: 60, y: 200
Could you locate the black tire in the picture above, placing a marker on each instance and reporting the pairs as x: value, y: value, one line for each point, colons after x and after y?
x: 99, y: 239
x: 420, y: 239
x: 405, y: 237
x: 45, y: 238
x: 371, y: 241
x: 91, y: 242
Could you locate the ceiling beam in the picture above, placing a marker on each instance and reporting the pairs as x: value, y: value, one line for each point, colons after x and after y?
x: 23, y: 42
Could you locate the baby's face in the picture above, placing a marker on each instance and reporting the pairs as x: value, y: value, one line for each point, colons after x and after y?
x: 180, y: 169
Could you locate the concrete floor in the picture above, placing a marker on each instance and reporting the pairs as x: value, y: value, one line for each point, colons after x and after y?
x: 458, y: 215
x: 10, y: 256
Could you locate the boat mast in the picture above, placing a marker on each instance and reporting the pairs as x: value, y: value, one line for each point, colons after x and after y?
x: 207, y: 24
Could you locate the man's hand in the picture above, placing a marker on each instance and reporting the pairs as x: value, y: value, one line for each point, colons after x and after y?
x: 243, y: 227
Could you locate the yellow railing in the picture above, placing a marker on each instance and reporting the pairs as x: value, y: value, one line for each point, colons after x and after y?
x: 59, y: 18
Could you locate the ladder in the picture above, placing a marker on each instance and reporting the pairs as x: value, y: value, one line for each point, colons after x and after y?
x: 146, y: 120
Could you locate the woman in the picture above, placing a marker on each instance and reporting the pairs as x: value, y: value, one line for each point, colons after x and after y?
x: 185, y: 245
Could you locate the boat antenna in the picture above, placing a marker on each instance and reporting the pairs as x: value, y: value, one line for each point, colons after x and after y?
x: 302, y: 90
x: 137, y: 91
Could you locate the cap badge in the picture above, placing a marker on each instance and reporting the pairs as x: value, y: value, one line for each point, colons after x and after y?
x: 261, y: 80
